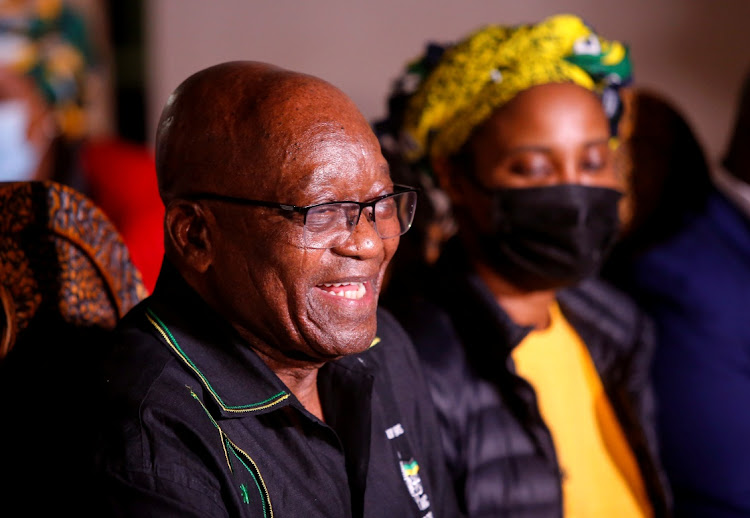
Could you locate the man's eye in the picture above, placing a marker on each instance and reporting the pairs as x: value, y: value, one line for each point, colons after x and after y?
x: 385, y: 209
x: 323, y: 218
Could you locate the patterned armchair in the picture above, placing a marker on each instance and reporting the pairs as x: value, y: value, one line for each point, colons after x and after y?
x: 63, y: 264
x: 66, y: 278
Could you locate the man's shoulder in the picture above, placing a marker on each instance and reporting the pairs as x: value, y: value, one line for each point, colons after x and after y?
x: 423, y: 329
x: 423, y: 314
x: 389, y: 327
x: 398, y: 361
x: 434, y: 350
x: 136, y: 358
x: 392, y: 345
x: 147, y: 392
x: 134, y: 334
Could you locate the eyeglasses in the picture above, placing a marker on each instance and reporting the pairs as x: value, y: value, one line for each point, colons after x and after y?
x: 327, y: 225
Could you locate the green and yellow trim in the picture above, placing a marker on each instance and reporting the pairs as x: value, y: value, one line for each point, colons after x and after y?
x: 247, y: 462
x: 170, y: 340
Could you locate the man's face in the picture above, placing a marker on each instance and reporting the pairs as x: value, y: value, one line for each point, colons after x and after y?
x: 308, y: 303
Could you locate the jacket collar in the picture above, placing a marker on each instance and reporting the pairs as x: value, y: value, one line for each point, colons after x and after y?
x: 470, y: 298
x: 583, y: 306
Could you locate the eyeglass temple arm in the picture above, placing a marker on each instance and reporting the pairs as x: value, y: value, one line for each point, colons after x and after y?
x: 245, y: 201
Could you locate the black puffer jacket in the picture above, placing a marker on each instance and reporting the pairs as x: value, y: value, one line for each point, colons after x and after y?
x: 499, y: 450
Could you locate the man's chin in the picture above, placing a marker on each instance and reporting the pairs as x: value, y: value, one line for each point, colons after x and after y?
x: 343, y: 342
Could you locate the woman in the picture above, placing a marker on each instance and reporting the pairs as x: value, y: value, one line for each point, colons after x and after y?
x: 538, y: 370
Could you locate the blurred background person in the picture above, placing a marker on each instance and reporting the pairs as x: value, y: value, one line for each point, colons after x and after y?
x: 539, y: 371
x: 48, y: 66
x: 667, y: 177
x: 45, y: 56
x: 694, y: 283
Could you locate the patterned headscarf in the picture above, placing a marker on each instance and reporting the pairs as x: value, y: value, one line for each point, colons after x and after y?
x: 47, y: 41
x: 455, y: 89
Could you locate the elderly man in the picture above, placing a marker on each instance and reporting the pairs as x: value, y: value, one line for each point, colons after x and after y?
x: 260, y: 379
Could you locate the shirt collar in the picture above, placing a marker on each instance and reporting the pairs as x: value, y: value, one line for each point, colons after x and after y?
x: 239, y: 382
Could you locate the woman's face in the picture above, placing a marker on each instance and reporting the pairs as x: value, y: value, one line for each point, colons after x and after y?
x: 550, y: 134
x: 521, y: 235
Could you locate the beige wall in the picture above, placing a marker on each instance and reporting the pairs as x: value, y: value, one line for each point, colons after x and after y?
x: 696, y: 51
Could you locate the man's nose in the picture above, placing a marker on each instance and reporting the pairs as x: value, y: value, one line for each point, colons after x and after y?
x: 364, y: 240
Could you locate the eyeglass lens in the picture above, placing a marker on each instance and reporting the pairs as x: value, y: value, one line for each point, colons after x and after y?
x: 331, y: 224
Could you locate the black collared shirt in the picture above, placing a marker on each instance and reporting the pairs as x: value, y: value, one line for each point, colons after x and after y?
x: 195, y: 424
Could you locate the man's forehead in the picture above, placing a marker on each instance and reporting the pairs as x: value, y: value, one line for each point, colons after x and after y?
x: 308, y: 124
x: 263, y: 127
x: 323, y: 151
x: 290, y: 111
x: 304, y: 107
x: 251, y: 92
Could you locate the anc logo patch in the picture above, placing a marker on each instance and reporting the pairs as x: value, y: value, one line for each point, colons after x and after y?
x: 410, y: 474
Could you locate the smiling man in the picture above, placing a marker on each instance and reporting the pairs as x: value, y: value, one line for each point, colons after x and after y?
x: 260, y: 379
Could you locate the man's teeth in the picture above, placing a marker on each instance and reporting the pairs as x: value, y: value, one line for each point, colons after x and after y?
x: 348, y: 294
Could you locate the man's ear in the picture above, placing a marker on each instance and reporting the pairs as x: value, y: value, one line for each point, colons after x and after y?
x: 188, y: 235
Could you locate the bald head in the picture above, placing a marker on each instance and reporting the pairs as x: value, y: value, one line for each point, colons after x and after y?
x: 241, y: 119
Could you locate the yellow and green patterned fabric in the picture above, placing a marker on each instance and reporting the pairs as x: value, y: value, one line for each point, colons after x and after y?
x: 470, y: 79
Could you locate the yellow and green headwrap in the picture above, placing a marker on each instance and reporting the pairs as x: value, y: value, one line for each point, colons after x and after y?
x: 469, y: 80
x: 47, y: 41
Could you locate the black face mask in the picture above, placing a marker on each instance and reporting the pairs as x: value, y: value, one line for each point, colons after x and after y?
x: 551, y: 237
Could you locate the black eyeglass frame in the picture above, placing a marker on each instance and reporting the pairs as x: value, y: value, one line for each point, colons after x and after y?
x: 401, y: 189
x: 297, y: 208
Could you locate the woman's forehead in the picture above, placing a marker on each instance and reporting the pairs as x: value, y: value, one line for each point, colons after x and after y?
x: 543, y: 110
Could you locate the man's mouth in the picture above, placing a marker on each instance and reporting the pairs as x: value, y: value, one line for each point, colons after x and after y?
x: 347, y: 290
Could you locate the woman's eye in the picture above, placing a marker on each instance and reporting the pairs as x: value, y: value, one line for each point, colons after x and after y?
x: 595, y: 161
x: 531, y: 171
x: 593, y: 165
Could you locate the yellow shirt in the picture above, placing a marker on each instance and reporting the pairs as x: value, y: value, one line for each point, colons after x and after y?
x: 601, y: 476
